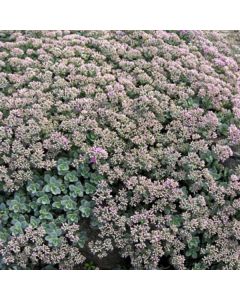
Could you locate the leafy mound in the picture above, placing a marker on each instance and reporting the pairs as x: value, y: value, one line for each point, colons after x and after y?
x: 47, y: 209
x: 164, y: 105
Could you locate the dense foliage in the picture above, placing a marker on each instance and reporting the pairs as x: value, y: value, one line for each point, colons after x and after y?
x: 48, y: 205
x: 154, y: 118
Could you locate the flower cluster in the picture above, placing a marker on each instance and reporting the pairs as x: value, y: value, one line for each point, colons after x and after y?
x: 57, y: 203
x: 162, y: 107
x: 97, y: 152
x: 30, y: 251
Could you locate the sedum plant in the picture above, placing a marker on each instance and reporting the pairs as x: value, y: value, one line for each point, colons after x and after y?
x: 163, y: 108
x: 51, y: 199
x: 47, y: 248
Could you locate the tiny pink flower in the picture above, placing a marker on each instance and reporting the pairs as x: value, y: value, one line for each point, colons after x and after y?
x: 234, y: 134
x: 99, y: 150
x: 93, y: 160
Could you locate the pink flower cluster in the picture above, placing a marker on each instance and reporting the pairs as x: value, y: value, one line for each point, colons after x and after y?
x: 234, y: 134
x: 97, y: 152
x: 164, y: 106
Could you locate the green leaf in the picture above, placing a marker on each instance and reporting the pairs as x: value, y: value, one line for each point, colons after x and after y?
x: 199, y: 266
x: 223, y: 129
x: 177, y: 221
x: 76, y: 190
x: 71, y: 176
x: 57, y: 204
x: 72, y: 217
x: 94, y: 222
x: 52, y: 229
x: 45, y: 214
x: 16, y: 229
x: 49, y: 267
x: 4, y: 217
x: 55, y: 181
x: 46, y: 188
x: 215, y: 174
x: 192, y: 103
x: 47, y: 178
x: 82, y: 239
x: 14, y: 206
x: 91, y: 136
x: 60, y: 219
x: 33, y: 206
x: 34, y: 222
x: 85, y: 208
x: 33, y: 188
x: 86, y: 211
x: 4, y: 234
x: 95, y: 178
x: 89, y: 188
x: 194, y: 254
x: 62, y: 166
x: 68, y: 203
x: 84, y: 170
x: 54, y: 186
x: 208, y: 156
x: 194, y: 242
x: 206, y: 103
x: 43, y: 199
x: 53, y: 240
x: 55, y: 190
